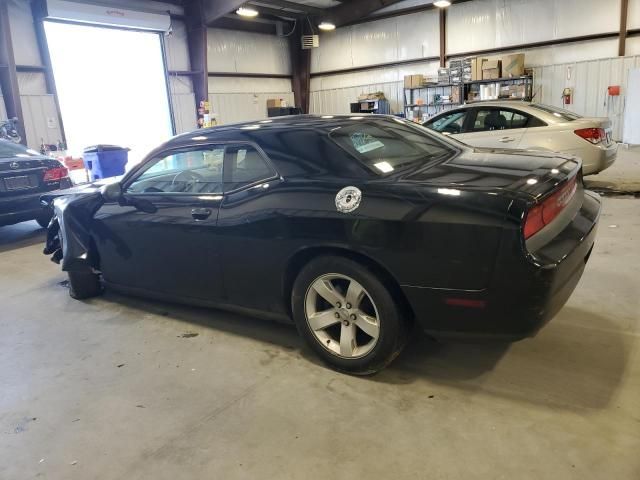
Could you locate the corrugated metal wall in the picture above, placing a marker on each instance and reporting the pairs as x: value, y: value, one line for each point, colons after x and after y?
x: 3, y: 112
x: 232, y: 99
x: 485, y: 24
x: 38, y: 108
x: 589, y: 81
x: 239, y: 99
x: 408, y: 37
x: 235, y: 99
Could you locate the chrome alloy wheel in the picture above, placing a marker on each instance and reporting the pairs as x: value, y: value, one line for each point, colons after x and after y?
x: 342, y: 315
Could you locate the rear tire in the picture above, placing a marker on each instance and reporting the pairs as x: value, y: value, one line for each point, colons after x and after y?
x: 84, y: 285
x: 347, y: 316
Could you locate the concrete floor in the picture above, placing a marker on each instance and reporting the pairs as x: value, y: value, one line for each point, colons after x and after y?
x: 112, y: 388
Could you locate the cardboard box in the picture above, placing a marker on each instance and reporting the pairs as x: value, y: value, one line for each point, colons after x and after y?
x: 417, y: 80
x: 413, y: 81
x: 476, y: 68
x: 276, y: 103
x: 513, y: 65
x: 491, y: 69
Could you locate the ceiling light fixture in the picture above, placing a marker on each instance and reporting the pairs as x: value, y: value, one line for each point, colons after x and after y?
x: 247, y: 12
x: 442, y: 3
x: 326, y: 26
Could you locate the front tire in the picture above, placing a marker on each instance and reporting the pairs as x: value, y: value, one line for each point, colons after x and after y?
x: 347, y: 316
x: 44, y: 218
x: 84, y: 285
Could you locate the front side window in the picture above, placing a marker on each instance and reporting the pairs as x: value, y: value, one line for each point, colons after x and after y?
x: 451, y: 123
x: 192, y: 171
x: 497, y: 119
x: 243, y: 166
x: 385, y: 147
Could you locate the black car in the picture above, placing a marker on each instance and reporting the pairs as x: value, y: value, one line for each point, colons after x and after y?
x: 24, y: 176
x: 354, y: 228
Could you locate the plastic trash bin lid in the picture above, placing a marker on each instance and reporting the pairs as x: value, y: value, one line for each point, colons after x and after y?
x: 104, y: 148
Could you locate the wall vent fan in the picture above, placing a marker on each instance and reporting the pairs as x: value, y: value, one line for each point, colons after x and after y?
x: 310, y: 41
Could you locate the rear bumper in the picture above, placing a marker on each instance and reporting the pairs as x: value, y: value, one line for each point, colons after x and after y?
x: 21, y: 208
x: 599, y: 158
x: 523, y: 296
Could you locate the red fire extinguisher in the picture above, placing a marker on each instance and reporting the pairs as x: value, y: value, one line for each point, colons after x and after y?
x: 567, y: 93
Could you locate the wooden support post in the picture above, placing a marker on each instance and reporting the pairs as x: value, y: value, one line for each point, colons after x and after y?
x: 8, y: 75
x: 300, y: 68
x: 622, y: 40
x: 443, y: 36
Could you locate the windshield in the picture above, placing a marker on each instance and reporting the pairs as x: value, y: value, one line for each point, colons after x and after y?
x: 11, y: 150
x: 388, y: 146
x: 557, y: 112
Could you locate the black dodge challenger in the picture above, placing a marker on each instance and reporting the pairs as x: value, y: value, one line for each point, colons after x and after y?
x: 355, y: 228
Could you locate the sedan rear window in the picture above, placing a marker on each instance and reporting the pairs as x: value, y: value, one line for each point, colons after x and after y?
x: 10, y: 150
x: 389, y: 146
x: 565, y: 115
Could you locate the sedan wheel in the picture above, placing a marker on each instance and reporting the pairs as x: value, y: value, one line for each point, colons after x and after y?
x: 347, y: 315
x: 342, y: 315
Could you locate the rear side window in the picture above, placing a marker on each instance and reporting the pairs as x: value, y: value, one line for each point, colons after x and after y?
x: 385, y: 147
x: 488, y: 119
x: 451, y: 123
x: 9, y: 150
x: 560, y: 113
x: 244, y: 165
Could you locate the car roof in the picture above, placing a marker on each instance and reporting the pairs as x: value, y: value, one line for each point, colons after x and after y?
x: 289, y: 122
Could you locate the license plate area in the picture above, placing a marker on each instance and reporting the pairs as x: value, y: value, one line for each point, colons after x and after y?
x: 17, y: 183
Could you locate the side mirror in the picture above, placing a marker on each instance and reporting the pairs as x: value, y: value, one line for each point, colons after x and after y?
x: 112, y: 192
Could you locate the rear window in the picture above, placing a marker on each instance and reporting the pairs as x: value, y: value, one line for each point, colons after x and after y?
x: 10, y: 150
x: 565, y: 115
x: 388, y: 146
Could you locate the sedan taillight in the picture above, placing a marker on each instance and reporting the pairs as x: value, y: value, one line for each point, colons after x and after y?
x: 55, y: 174
x: 543, y: 214
x: 592, y: 135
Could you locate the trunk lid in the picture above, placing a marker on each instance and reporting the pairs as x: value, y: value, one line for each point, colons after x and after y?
x: 525, y: 172
x: 19, y: 176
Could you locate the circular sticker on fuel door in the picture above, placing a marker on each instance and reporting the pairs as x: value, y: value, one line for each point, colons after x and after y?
x: 348, y: 199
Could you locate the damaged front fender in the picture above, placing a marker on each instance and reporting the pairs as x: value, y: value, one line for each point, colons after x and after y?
x: 69, y: 233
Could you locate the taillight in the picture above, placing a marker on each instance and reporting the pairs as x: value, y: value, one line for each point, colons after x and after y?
x: 592, y: 135
x: 543, y: 214
x: 55, y: 174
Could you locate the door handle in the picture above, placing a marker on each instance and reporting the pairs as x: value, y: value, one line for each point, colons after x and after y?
x: 507, y: 139
x: 200, y: 213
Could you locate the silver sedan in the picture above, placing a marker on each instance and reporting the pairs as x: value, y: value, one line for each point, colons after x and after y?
x: 531, y: 126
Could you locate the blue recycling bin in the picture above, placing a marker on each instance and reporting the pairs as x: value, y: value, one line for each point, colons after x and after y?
x: 104, y: 161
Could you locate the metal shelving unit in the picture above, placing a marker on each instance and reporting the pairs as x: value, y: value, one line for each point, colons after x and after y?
x: 378, y: 105
x: 526, y: 80
x: 430, y: 94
